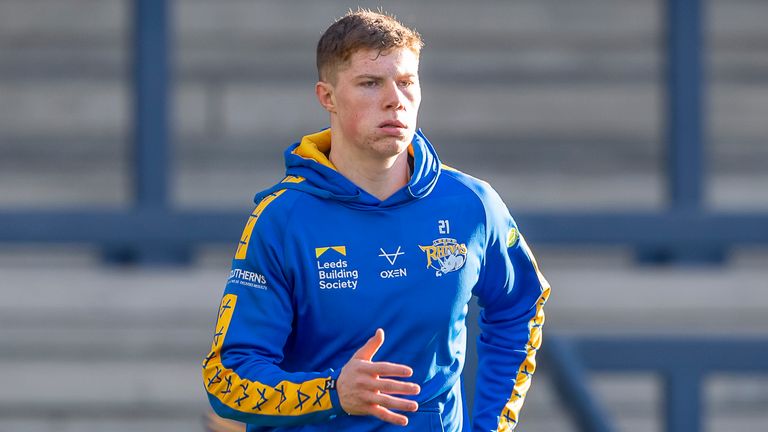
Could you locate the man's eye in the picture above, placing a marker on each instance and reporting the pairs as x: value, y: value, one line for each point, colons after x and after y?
x: 406, y: 83
x: 368, y: 83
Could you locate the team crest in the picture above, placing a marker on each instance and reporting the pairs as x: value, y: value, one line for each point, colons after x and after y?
x: 445, y: 255
x: 512, y: 237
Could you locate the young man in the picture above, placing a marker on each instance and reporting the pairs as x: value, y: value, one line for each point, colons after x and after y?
x: 369, y: 235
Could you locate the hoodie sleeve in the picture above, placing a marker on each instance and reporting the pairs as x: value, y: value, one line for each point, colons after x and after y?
x: 241, y: 373
x: 511, y: 292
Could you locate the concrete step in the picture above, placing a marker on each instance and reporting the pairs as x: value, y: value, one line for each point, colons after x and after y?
x: 196, y: 186
x: 245, y: 111
x: 196, y: 18
x: 95, y: 423
x: 528, y: 59
x: 85, y: 386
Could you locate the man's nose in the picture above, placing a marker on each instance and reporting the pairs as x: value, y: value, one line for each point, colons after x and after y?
x: 394, y: 98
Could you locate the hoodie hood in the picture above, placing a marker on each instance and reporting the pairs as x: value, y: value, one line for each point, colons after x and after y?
x: 309, y: 170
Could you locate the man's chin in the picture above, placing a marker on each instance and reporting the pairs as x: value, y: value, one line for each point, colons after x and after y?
x: 391, y: 146
x: 404, y: 138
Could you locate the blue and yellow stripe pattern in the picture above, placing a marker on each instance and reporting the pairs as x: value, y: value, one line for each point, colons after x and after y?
x: 510, y: 414
x: 252, y: 397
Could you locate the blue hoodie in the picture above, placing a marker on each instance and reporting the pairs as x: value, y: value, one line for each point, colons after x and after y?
x: 322, y: 264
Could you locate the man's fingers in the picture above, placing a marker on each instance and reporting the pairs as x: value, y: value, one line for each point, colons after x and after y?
x: 362, y: 391
x: 397, y: 387
x: 367, y: 351
x: 388, y: 416
x: 387, y: 369
x: 395, y: 403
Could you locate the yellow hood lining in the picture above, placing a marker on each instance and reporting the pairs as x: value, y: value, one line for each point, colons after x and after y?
x: 316, y: 147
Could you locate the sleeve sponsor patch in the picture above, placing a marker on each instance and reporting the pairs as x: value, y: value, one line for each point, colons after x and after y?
x: 247, y: 278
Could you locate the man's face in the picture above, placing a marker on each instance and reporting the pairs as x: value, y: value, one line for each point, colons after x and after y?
x: 375, y: 100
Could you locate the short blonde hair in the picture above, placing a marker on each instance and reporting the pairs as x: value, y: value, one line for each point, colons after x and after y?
x: 361, y: 29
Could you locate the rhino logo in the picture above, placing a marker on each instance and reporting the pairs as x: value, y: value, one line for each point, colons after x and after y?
x: 445, y: 255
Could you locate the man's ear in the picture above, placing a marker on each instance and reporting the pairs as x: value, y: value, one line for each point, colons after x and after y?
x: 324, y: 93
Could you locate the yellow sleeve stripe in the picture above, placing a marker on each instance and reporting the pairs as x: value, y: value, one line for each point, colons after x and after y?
x: 245, y: 239
x: 510, y: 414
x: 252, y: 397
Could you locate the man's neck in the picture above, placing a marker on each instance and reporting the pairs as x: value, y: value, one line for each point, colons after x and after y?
x: 379, y: 177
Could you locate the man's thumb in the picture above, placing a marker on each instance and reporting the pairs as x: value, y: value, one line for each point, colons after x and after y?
x: 367, y: 351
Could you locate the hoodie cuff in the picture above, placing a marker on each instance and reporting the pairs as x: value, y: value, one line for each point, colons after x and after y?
x: 336, y: 409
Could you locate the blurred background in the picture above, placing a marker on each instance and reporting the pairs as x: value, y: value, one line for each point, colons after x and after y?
x: 628, y: 137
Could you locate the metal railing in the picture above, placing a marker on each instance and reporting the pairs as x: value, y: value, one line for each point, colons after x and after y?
x: 682, y: 362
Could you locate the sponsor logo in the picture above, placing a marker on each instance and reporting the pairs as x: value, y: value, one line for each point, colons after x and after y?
x: 445, y: 255
x: 334, y: 272
x: 321, y: 250
x: 247, y: 278
x: 392, y: 258
x: 393, y: 273
x: 330, y: 384
x: 512, y: 237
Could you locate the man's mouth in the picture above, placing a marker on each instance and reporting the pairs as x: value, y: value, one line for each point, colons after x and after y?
x: 393, y: 124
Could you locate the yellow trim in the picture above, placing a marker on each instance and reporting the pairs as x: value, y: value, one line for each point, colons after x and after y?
x: 448, y: 168
x: 292, y: 179
x: 245, y: 238
x: 510, y: 414
x: 284, y: 399
x: 321, y: 250
x: 316, y: 147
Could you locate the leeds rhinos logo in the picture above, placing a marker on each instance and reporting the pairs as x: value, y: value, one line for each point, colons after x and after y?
x: 445, y: 255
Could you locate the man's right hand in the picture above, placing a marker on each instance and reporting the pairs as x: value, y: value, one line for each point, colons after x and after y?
x: 363, y: 391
